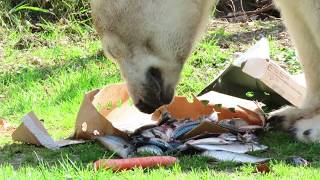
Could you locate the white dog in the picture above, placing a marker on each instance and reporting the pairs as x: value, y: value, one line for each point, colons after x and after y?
x: 151, y: 40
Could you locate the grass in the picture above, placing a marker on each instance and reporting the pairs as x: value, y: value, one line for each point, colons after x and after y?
x: 48, y: 71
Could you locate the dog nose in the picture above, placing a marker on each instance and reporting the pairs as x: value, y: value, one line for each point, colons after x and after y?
x: 165, y: 94
x: 145, y: 107
x: 155, y: 93
x: 154, y: 74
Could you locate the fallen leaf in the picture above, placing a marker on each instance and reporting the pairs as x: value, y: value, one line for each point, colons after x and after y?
x: 262, y: 168
x: 1, y: 123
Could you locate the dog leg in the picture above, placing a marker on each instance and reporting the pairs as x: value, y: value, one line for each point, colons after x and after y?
x: 303, y: 23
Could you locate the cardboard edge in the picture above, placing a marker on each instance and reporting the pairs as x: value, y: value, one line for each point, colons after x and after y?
x: 98, y: 123
x: 32, y: 131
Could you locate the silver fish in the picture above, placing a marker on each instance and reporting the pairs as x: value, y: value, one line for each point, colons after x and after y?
x: 184, y: 128
x: 236, y: 147
x: 248, y: 138
x: 231, y: 156
x: 228, y: 137
x: 152, y: 141
x: 116, y: 144
x: 169, y: 132
x: 166, y: 119
x: 160, y: 143
x: 147, y: 133
x: 150, y: 149
x: 209, y: 141
x: 299, y: 161
x: 160, y: 133
x: 236, y: 122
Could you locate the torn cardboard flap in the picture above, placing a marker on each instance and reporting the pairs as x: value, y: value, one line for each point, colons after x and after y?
x: 33, y: 132
x: 90, y: 122
x: 254, y: 72
x: 229, y: 101
x: 230, y: 107
x: 108, y: 111
x: 181, y: 109
x: 276, y: 78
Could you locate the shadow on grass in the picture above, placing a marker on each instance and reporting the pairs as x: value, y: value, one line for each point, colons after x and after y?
x: 19, y: 155
x: 241, y: 36
x: 43, y: 72
x: 46, y: 78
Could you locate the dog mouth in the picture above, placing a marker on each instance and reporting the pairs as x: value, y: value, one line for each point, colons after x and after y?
x: 155, y: 94
x: 147, y: 107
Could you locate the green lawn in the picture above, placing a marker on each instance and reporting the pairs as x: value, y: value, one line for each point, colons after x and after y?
x: 50, y: 70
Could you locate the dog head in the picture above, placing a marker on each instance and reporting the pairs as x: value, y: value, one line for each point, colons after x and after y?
x: 150, y: 40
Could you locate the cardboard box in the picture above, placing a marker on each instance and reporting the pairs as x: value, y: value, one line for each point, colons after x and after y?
x: 254, y: 72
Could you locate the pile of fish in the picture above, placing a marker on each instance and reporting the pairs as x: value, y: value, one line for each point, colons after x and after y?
x: 170, y: 137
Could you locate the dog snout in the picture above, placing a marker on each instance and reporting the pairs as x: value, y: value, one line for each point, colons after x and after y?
x: 155, y: 94
x: 154, y: 78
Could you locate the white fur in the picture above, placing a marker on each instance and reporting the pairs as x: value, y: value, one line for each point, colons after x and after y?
x: 170, y: 27
x: 139, y: 34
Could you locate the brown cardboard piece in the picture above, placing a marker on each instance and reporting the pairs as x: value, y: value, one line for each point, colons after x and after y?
x: 108, y: 111
x: 254, y: 71
x: 181, y: 108
x: 233, y: 107
x: 90, y: 122
x: 33, y: 132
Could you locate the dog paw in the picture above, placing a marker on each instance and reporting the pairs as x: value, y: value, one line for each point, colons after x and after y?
x: 304, y: 124
x: 285, y: 117
x: 307, y: 130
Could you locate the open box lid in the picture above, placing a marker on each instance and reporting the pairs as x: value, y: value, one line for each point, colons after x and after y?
x: 254, y: 72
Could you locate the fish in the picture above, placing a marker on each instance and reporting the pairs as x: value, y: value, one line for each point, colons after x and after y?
x: 236, y: 122
x: 175, y: 143
x: 150, y: 149
x: 235, y: 147
x: 142, y: 129
x: 169, y: 132
x: 177, y: 148
x: 248, y: 138
x: 233, y: 125
x: 209, y: 141
x: 116, y: 144
x: 160, y: 133
x: 184, y: 128
x: 228, y: 137
x: 160, y: 143
x: 231, y: 156
x: 152, y: 141
x: 166, y: 119
x: 298, y: 161
x: 147, y: 133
